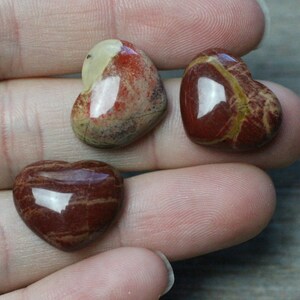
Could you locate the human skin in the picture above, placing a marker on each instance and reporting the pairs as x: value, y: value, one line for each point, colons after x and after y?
x: 219, y: 199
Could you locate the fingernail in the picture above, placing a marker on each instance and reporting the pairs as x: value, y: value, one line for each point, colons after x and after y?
x: 265, y: 9
x: 171, y: 278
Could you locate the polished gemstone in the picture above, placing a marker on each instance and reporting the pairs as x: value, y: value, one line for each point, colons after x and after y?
x: 222, y: 106
x: 123, y: 96
x: 68, y: 204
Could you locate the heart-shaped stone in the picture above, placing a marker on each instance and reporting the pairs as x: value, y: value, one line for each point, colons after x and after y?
x: 68, y: 204
x: 222, y: 106
x: 123, y: 96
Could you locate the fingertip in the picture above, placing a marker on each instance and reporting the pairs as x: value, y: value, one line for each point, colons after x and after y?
x: 170, y: 272
x: 242, y: 208
x: 122, y: 273
x: 267, y: 19
x: 133, y: 273
x: 248, y: 207
x: 249, y: 26
x: 260, y: 200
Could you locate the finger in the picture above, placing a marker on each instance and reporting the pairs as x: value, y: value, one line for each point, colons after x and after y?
x: 183, y: 213
x: 124, y: 273
x: 35, y: 125
x: 53, y: 37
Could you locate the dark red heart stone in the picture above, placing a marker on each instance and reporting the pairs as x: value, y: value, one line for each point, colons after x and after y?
x: 222, y: 106
x: 68, y: 204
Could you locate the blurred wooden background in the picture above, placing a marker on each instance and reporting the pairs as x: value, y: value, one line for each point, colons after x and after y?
x: 267, y: 267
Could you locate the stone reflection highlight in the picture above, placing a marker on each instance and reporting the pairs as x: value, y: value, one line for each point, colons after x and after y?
x: 52, y: 200
x: 68, y: 204
x: 76, y: 176
x: 210, y: 93
x: 104, y: 96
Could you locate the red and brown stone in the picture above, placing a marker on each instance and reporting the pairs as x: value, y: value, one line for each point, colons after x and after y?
x: 123, y: 96
x: 68, y: 204
x: 222, y: 106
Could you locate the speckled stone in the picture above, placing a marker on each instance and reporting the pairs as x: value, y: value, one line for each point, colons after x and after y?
x: 223, y: 107
x: 123, y: 96
x: 68, y: 204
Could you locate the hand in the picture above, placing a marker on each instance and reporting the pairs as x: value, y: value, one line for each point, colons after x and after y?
x: 197, y: 200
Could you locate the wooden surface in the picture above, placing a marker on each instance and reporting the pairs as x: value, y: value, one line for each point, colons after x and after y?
x: 267, y: 267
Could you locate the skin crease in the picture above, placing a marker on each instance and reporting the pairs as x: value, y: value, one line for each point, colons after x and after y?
x: 218, y: 204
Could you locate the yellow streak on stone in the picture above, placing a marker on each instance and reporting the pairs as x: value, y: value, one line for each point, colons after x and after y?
x: 269, y: 107
x: 97, y: 60
x: 242, y: 103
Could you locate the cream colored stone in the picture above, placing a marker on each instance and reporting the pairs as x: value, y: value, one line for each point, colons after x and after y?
x: 97, y: 60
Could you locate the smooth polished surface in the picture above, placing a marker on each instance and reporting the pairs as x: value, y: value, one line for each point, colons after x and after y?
x: 68, y: 204
x: 123, y: 96
x: 222, y: 106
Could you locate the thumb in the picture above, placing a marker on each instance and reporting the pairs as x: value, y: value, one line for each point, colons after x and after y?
x: 123, y: 273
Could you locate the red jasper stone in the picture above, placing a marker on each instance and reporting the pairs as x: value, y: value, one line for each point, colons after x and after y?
x: 123, y: 96
x: 222, y: 106
x: 68, y: 204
